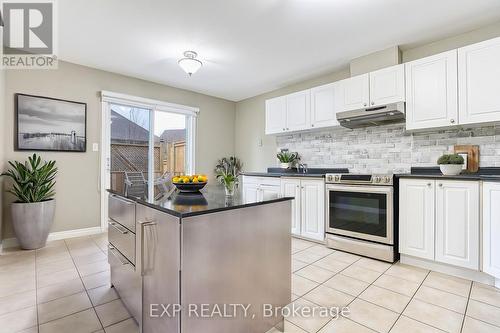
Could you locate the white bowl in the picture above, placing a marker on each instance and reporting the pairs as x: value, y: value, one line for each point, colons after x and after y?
x: 451, y: 169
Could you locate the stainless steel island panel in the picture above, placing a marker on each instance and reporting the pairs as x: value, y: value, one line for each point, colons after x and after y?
x: 240, y: 256
x: 158, y: 261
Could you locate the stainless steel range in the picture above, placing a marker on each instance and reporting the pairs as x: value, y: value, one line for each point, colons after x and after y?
x: 360, y: 215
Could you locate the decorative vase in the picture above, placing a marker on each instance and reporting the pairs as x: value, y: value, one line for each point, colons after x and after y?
x: 451, y: 169
x: 32, y: 222
x: 229, y: 188
x: 285, y: 165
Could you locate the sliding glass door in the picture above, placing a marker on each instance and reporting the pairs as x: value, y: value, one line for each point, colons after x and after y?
x: 144, y: 144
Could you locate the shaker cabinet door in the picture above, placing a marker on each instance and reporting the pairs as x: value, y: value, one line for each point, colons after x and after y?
x: 457, y: 223
x: 276, y: 115
x: 313, y: 209
x: 298, y: 111
x: 387, y: 86
x: 491, y: 229
x: 431, y: 91
x: 291, y: 188
x: 416, y: 217
x: 478, y: 82
x: 323, y: 106
x: 353, y: 93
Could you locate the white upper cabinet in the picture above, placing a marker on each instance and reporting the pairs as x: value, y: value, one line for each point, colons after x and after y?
x: 491, y: 229
x: 387, y: 86
x: 457, y: 223
x: 298, y: 110
x: 431, y: 91
x: 416, y: 217
x: 353, y: 93
x: 276, y: 115
x: 479, y: 82
x: 323, y: 106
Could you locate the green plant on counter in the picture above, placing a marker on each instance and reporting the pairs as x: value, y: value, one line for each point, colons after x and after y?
x: 450, y: 159
x: 227, y: 166
x: 288, y: 157
x: 34, y: 180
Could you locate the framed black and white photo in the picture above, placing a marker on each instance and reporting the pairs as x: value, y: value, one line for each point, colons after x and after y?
x: 50, y: 124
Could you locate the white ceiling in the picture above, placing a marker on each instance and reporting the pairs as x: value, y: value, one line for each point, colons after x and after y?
x: 251, y: 46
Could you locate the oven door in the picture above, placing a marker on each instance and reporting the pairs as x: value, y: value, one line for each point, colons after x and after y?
x: 364, y: 212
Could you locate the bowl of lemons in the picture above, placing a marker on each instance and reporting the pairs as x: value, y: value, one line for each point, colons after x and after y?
x: 191, y: 184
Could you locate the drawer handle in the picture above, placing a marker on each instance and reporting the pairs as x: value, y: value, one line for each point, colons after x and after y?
x: 148, y: 245
x: 117, y: 256
x: 118, y: 227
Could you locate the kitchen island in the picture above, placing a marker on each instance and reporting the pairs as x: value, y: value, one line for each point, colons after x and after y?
x: 201, y: 262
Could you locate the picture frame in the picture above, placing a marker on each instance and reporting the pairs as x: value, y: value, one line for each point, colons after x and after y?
x: 49, y: 124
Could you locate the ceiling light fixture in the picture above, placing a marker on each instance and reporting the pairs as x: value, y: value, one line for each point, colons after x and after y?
x: 189, y: 63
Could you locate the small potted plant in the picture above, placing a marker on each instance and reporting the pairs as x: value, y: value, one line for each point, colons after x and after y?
x: 287, y: 159
x: 451, y: 164
x: 227, y: 171
x: 33, y: 211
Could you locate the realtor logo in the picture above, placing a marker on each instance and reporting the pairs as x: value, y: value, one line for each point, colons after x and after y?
x: 28, y: 34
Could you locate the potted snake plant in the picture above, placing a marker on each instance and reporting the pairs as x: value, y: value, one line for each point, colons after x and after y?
x: 287, y: 159
x: 33, y: 211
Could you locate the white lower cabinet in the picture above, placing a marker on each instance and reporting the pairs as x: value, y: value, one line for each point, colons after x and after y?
x: 491, y: 228
x: 416, y: 217
x: 291, y: 188
x: 308, y: 216
x: 457, y: 223
x: 260, y: 188
x: 439, y: 221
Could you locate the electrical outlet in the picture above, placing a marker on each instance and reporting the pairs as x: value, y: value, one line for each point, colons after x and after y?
x: 95, y: 147
x: 260, y: 142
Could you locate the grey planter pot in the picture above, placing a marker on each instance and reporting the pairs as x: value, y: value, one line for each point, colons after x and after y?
x: 32, y: 222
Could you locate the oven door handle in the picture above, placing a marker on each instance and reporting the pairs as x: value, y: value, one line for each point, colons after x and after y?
x: 377, y: 189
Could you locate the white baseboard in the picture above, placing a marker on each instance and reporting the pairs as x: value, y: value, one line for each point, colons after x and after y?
x: 464, y: 273
x: 12, y: 242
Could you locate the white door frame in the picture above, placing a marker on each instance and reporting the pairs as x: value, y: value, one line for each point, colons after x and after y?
x: 108, y: 98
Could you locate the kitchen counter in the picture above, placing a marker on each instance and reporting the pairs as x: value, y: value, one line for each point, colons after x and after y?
x: 311, y: 172
x: 484, y: 174
x: 211, y: 199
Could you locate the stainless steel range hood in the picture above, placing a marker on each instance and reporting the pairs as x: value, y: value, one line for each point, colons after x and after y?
x: 376, y: 116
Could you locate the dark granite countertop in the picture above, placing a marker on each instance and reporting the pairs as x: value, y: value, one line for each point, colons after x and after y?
x: 485, y: 174
x: 211, y: 199
x: 311, y: 172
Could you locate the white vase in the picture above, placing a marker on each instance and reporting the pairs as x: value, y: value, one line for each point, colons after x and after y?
x: 451, y: 169
x: 285, y: 165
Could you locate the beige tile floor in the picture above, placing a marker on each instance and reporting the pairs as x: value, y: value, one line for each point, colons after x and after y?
x: 64, y: 287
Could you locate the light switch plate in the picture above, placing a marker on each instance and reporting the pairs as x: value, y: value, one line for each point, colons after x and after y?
x: 95, y: 147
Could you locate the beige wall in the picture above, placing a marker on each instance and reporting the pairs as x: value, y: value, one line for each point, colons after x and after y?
x: 77, y: 182
x: 250, y: 113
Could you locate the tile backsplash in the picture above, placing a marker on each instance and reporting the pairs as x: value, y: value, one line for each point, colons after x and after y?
x: 388, y: 149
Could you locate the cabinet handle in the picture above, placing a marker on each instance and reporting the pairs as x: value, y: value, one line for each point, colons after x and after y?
x: 452, y: 121
x: 312, y: 125
x: 373, y: 103
x: 429, y: 184
x: 283, y: 129
x: 118, y: 227
x: 287, y: 129
x: 364, y: 104
x: 440, y: 185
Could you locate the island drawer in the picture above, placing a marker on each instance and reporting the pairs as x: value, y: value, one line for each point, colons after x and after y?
x: 122, y: 239
x: 122, y: 210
